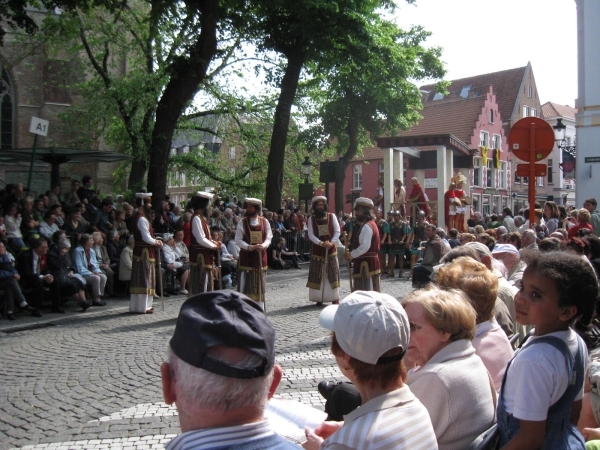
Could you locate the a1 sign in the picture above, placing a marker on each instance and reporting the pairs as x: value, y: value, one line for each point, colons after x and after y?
x: 39, y: 126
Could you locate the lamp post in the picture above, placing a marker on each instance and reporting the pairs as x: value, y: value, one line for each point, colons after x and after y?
x: 306, y: 188
x: 568, y: 164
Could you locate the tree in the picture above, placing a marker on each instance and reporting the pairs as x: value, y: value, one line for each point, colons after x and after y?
x: 302, y: 31
x: 368, y: 89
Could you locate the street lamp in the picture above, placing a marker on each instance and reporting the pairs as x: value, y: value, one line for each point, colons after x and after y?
x: 306, y: 168
x: 560, y: 131
x: 306, y: 188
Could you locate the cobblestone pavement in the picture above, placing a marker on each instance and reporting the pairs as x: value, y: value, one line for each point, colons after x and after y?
x: 91, y: 380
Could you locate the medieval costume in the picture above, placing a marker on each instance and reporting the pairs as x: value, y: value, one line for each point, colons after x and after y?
x: 143, y: 272
x: 203, y: 250
x: 461, y: 200
x: 397, y: 243
x: 364, y: 247
x: 450, y: 205
x: 417, y: 195
x: 253, y: 236
x: 324, y: 272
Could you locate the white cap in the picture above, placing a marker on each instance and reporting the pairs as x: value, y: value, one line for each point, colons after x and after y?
x: 143, y: 195
x: 367, y: 324
x: 204, y: 194
x: 318, y: 198
x: 506, y: 248
x: 364, y: 201
x: 480, y: 248
x: 253, y: 201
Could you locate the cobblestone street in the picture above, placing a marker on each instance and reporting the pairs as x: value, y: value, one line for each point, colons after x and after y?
x: 91, y: 380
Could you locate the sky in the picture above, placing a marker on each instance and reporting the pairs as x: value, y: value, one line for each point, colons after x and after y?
x: 483, y: 36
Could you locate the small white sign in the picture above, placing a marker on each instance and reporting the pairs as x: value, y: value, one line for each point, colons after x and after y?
x: 39, y: 126
x: 430, y: 183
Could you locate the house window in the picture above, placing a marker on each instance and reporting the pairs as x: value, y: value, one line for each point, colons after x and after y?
x: 502, y: 172
x: 530, y: 92
x: 517, y: 178
x: 438, y: 96
x: 533, y: 112
x: 381, y: 169
x: 357, y: 177
x: 491, y: 112
x: 232, y: 152
x: 484, y: 139
x: 476, y: 171
x: 504, y: 202
x: 550, y: 181
x: 464, y: 92
x: 497, y: 141
x: 525, y: 111
x: 539, y: 181
x: 489, y: 182
x: 476, y: 202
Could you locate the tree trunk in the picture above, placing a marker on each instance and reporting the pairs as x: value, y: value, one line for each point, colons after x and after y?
x: 352, y: 130
x: 186, y: 75
x: 137, y: 175
x: 281, y: 123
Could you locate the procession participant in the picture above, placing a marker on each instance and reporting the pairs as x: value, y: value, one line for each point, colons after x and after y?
x: 450, y: 205
x: 417, y: 195
x: 253, y: 236
x: 399, y: 197
x: 383, y: 227
x: 366, y: 272
x: 397, y: 244
x: 144, y: 257
x: 324, y: 233
x: 203, y: 250
x: 461, y: 201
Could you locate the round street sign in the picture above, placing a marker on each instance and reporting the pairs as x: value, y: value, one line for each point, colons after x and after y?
x: 519, y: 138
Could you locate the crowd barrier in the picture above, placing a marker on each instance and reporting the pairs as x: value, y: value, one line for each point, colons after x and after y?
x: 296, y: 241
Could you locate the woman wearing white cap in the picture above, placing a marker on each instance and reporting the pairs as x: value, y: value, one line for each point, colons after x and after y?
x: 371, y: 333
x: 143, y: 275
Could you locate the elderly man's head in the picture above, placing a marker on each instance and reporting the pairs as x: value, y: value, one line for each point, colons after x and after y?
x: 477, y: 216
x: 528, y: 238
x: 221, y: 361
x: 508, y: 254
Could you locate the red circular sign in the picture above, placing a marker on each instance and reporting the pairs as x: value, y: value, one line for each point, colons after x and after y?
x: 519, y: 140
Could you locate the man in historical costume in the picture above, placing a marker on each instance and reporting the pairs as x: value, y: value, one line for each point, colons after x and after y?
x: 203, y: 250
x: 399, y: 197
x: 450, y: 205
x: 398, y: 235
x: 143, y: 270
x: 417, y: 195
x: 324, y: 272
x: 253, y: 236
x: 460, y: 197
x: 364, y: 246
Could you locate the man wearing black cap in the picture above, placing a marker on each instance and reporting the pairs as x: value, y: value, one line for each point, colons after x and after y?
x: 221, y: 372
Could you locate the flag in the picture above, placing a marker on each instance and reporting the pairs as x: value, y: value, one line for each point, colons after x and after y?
x: 484, y: 155
x: 497, y: 158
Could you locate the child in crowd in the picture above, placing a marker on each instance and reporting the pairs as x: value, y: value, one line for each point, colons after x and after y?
x: 541, y: 394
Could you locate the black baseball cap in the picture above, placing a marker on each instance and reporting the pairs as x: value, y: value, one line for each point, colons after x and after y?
x: 225, y: 318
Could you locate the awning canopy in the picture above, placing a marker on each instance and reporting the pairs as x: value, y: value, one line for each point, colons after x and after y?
x: 56, y: 156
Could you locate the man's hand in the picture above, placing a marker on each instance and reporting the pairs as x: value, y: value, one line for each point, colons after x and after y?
x: 347, y: 256
x: 171, y: 266
x: 313, y: 442
x: 48, y: 279
x: 16, y: 276
x: 590, y: 434
x: 159, y: 244
x: 326, y: 429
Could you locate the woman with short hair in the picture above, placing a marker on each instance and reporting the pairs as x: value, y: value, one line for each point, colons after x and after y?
x: 87, y: 266
x: 448, y: 378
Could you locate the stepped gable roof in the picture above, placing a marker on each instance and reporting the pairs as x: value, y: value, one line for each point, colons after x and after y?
x: 506, y: 85
x: 551, y: 110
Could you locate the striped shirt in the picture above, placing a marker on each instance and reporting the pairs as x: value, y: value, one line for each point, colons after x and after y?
x: 222, y: 437
x: 397, y: 420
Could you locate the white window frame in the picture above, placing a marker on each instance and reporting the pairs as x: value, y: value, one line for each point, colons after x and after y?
x: 517, y: 178
x: 497, y: 141
x: 491, y: 115
x: 539, y: 181
x: 477, y: 170
x: 357, y: 176
x: 533, y: 112
x: 232, y: 152
x: 526, y: 111
x: 530, y: 92
x: 490, y: 178
x: 496, y: 205
x: 502, y: 172
x: 476, y: 202
x: 484, y: 139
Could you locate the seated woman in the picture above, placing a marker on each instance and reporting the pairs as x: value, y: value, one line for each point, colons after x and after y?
x: 59, y: 262
x: 9, y: 282
x: 448, y: 377
x: 370, y: 337
x: 127, y: 260
x: 104, y: 262
x: 87, y: 266
x: 481, y: 286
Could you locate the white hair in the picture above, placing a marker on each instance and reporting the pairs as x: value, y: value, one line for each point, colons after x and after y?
x: 499, y: 267
x: 200, y: 388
